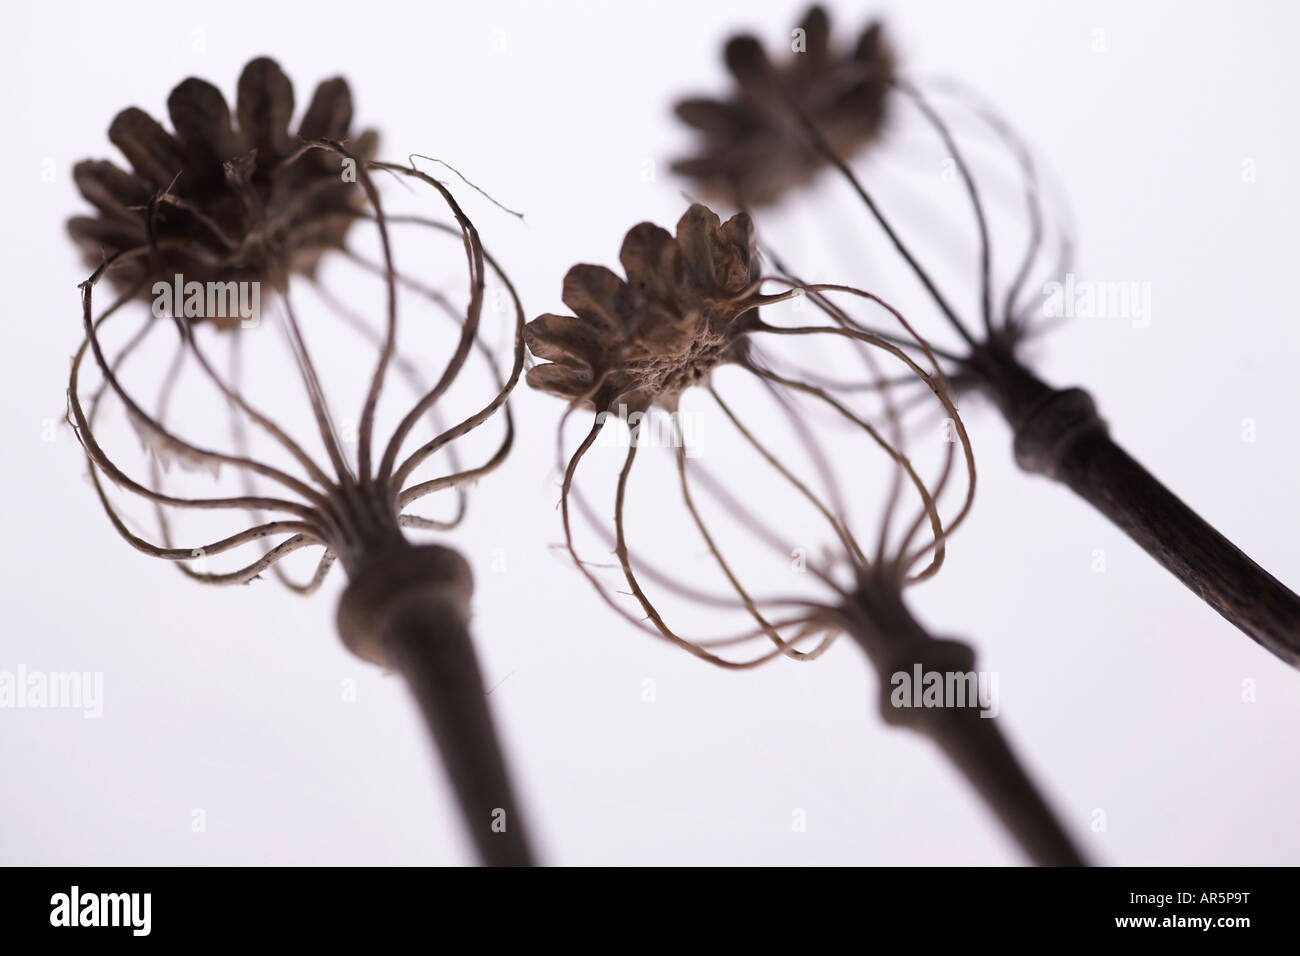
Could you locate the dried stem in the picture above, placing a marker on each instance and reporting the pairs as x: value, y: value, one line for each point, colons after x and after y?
x: 879, y: 621
x: 1059, y: 434
x: 408, y: 609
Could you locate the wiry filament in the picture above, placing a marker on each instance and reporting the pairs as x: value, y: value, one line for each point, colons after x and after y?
x: 1013, y: 319
x: 935, y: 379
x: 239, y: 440
x: 816, y: 454
x: 155, y: 467
x: 408, y: 370
x: 367, y: 425
x: 1012, y: 315
x: 959, y: 161
x: 315, y: 393
x: 835, y: 521
x: 145, y: 421
x: 474, y: 311
x: 620, y: 550
x: 699, y: 648
x: 787, y: 634
x: 656, y: 574
x: 784, y: 274
x: 936, y: 523
x: 237, y: 401
x: 783, y: 646
x: 305, y: 532
x: 819, y: 142
x: 340, y: 514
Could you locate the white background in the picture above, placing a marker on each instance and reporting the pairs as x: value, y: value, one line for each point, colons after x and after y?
x: 1121, y: 689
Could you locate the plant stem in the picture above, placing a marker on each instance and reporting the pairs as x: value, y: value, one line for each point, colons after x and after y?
x: 1059, y: 434
x: 408, y: 609
x: 897, y: 644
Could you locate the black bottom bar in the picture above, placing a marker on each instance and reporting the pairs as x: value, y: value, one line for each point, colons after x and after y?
x: 930, y: 906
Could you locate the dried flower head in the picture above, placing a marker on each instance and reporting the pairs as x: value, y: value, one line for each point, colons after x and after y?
x: 752, y: 149
x: 258, y: 207
x: 644, y: 340
x: 269, y: 210
x: 819, y: 109
x: 690, y: 306
x: 1058, y: 432
x: 223, y: 199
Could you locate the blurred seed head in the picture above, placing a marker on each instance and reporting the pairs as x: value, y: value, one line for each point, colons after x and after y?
x: 751, y: 150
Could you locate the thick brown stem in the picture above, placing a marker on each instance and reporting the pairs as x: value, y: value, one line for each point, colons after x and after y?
x: 902, y: 652
x: 1058, y: 433
x: 407, y: 608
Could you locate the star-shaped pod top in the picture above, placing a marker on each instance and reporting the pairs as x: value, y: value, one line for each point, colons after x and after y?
x: 643, y: 341
x: 753, y: 147
x: 223, y: 198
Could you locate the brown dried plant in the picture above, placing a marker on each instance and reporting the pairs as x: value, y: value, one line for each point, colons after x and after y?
x: 216, y: 200
x: 253, y: 203
x: 751, y: 145
x: 689, y: 308
x: 776, y: 131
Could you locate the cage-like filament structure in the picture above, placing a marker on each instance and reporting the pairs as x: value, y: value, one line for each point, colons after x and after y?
x: 989, y: 306
x: 864, y: 92
x: 686, y: 323
x: 348, y: 505
x: 220, y: 221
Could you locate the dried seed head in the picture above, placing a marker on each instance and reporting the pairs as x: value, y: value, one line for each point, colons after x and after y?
x: 221, y: 200
x: 690, y: 304
x: 752, y: 147
x: 643, y: 341
x: 222, y: 205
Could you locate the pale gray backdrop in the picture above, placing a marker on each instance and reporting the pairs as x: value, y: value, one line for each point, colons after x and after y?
x: 1122, y: 690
